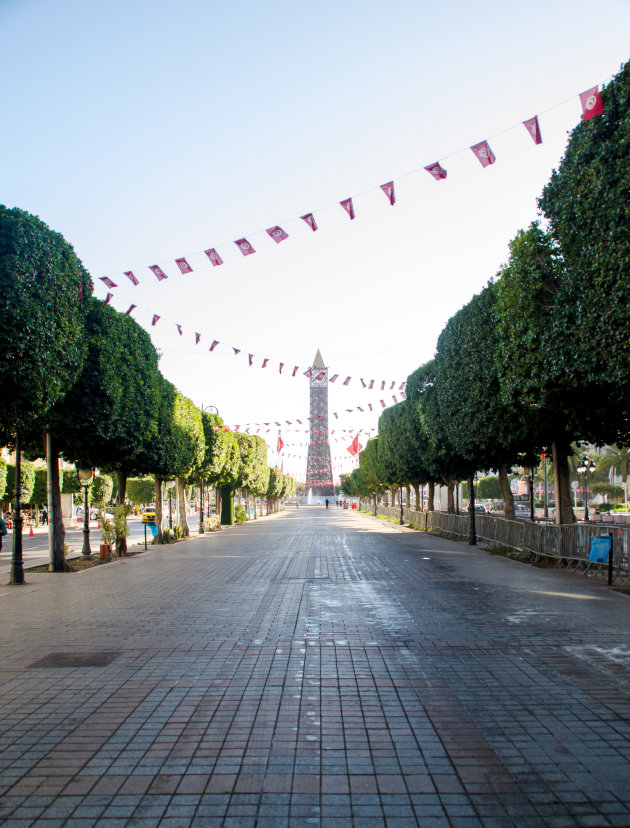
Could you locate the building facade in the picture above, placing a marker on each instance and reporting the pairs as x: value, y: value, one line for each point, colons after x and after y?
x: 319, y: 478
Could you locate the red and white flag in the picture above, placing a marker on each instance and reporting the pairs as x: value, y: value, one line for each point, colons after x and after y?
x: 236, y: 350
x: 251, y: 359
x: 215, y: 342
x: 108, y: 298
x: 333, y: 378
x: 295, y: 370
x: 245, y: 247
x: 277, y: 234
x: 154, y: 321
x: 280, y: 367
x: 308, y: 372
x: 309, y: 218
x: 197, y: 338
x: 437, y: 171
x: 107, y: 281
x: 383, y: 403
x: 265, y: 361
x: 280, y: 444
x: 183, y: 265
x: 355, y: 446
x: 592, y: 104
x: 132, y: 278
x: 130, y: 308
x: 347, y: 380
x: 215, y: 259
x: 533, y: 127
x: 483, y: 153
x: 158, y: 272
x: 348, y: 207
x: 388, y: 189
x: 179, y: 329
x: 320, y: 376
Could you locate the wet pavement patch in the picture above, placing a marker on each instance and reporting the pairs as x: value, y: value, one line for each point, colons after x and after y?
x: 76, y: 659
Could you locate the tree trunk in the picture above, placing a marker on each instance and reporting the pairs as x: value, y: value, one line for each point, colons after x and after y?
x: 181, y: 502
x: 416, y: 491
x: 506, y: 491
x: 121, y: 480
x: 201, y: 526
x: 472, y: 529
x: 431, y: 497
x: 450, y: 500
x: 59, y: 530
x: 158, y: 509
x: 564, y: 507
x: 227, y: 506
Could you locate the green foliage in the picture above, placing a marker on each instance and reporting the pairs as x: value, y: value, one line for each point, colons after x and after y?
x: 167, y: 535
x: 110, y: 414
x: 189, y: 437
x: 253, y: 472
x: 240, y: 514
x: 28, y: 482
x: 120, y: 521
x: 44, y: 292
x: 489, y: 488
x: 178, y: 532
x: 3, y: 477
x: 587, y: 204
x: 101, y: 490
x: 108, y: 530
x: 212, y: 523
x: 39, y: 495
x: 141, y: 490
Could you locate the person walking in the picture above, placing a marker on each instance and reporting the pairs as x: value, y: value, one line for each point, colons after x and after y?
x: 3, y: 531
x: 327, y: 503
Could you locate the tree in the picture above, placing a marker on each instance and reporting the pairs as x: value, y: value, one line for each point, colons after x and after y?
x: 424, y: 458
x: 482, y: 427
x: 101, y: 490
x: 3, y: 477
x: 44, y: 295
x: 533, y: 351
x: 27, y: 478
x: 190, y: 449
x: 141, y: 490
x: 586, y: 202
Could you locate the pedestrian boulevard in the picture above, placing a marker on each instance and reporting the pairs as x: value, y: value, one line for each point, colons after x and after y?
x: 317, y: 667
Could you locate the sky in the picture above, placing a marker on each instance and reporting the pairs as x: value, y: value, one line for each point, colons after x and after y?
x: 148, y: 131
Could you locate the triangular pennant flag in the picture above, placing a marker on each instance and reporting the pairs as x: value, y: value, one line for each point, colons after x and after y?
x: 388, y: 189
x: 183, y: 265
x: 371, y: 385
x: 533, y: 127
x: 382, y: 385
x: 215, y: 342
x: 383, y: 403
x: 107, y: 281
x: 265, y: 361
x: 277, y: 234
x: 308, y: 373
x: 309, y: 218
x: 251, y: 359
x: 245, y: 247
x: 130, y: 275
x: 295, y: 370
x: 215, y: 259
x: 179, y: 329
x: 483, y: 153
x: 333, y: 378
x: 154, y: 321
x: 108, y: 298
x: 197, y: 338
x: 236, y: 350
x: 363, y: 383
x: 347, y: 380
x: 348, y: 207
x: 392, y: 385
x: 591, y: 104
x: 158, y: 272
x: 281, y: 366
x: 395, y: 398
x: 128, y: 311
x: 437, y: 171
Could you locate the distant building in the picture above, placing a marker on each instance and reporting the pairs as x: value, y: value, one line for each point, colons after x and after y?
x: 319, y: 478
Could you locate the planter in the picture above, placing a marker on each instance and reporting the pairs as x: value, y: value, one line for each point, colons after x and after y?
x: 106, y: 551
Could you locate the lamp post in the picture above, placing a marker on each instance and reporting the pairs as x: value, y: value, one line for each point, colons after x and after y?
x: 586, y: 465
x: 86, y: 476
x: 170, y: 485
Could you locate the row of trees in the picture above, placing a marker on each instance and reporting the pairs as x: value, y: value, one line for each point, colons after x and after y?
x: 82, y: 381
x: 540, y: 357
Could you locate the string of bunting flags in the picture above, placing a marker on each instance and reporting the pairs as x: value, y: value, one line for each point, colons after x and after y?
x: 591, y: 106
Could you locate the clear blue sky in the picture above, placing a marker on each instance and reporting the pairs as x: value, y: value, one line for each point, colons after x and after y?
x: 144, y: 131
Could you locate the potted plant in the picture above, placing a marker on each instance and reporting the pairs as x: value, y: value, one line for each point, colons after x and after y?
x: 108, y: 536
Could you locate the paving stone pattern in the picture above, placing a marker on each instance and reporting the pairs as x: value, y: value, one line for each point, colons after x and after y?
x: 314, y: 668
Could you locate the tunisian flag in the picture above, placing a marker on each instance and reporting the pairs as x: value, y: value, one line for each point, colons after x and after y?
x: 280, y: 445
x: 437, y: 171
x: 348, y: 207
x: 245, y: 247
x: 533, y: 127
x: 591, y: 104
x: 215, y: 259
x: 355, y: 446
x: 484, y: 154
x: 277, y: 234
x: 158, y: 272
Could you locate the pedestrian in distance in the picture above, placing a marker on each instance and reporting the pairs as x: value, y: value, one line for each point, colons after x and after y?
x: 44, y: 516
x: 3, y: 531
x: 326, y: 502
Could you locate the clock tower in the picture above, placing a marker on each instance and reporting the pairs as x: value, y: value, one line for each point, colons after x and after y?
x: 319, y: 477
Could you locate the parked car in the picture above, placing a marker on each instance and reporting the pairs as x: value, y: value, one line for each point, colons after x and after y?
x: 521, y: 510
x: 148, y: 517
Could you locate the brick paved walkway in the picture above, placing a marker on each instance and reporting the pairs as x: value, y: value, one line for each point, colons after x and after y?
x: 315, y: 668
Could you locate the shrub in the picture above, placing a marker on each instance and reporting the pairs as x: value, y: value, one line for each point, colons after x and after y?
x: 178, y: 532
x: 167, y: 535
x: 212, y: 524
x: 240, y: 514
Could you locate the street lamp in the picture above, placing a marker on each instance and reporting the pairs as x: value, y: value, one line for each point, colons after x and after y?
x: 586, y: 465
x: 86, y: 476
x: 170, y: 485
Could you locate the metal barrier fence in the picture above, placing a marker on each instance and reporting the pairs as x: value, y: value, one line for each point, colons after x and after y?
x: 568, y: 543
